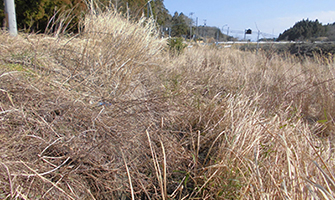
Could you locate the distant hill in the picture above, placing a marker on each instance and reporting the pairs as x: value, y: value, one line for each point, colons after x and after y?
x: 211, y: 33
x: 308, y: 30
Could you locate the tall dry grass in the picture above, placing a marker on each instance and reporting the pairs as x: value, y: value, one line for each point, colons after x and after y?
x: 261, y: 126
x: 107, y: 114
x: 109, y: 53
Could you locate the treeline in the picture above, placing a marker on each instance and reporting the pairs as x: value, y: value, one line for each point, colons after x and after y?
x: 45, y: 16
x: 38, y: 15
x: 308, y: 30
x: 41, y: 15
x: 180, y: 25
x: 35, y: 15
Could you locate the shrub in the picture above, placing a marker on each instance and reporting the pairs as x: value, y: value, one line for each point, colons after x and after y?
x: 176, y: 45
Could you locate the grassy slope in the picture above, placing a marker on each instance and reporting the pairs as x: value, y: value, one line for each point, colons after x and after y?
x: 110, y: 114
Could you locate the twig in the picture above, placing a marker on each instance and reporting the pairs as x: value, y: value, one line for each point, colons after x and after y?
x: 318, y: 155
x: 51, y: 188
x: 324, y: 173
x: 8, y: 73
x: 129, y: 177
x: 9, y: 97
x: 10, y: 180
x: 156, y: 165
x: 48, y: 181
x: 49, y: 126
x: 216, y: 171
x: 8, y: 111
x: 49, y: 146
x: 19, y: 194
x: 210, y: 148
x: 323, y: 191
x: 164, y: 171
x: 48, y: 172
x: 180, y: 187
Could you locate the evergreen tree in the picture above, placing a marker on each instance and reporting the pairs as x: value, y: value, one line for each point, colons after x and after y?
x: 161, y: 13
x: 179, y: 26
x: 304, y: 30
x: 34, y: 15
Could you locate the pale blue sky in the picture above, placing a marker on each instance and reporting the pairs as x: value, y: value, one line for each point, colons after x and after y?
x: 270, y: 16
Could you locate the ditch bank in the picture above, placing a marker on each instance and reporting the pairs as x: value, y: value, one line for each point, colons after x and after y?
x: 297, y: 49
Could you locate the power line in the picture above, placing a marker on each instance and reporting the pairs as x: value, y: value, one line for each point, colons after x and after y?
x: 242, y: 32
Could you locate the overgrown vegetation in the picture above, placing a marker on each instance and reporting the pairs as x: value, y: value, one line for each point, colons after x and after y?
x: 301, y: 50
x: 108, y: 114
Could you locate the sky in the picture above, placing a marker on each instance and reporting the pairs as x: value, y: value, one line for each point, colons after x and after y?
x: 268, y: 16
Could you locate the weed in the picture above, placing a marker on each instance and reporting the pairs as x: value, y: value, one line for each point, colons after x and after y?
x: 176, y: 45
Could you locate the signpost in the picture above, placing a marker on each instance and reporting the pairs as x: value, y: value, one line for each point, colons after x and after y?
x: 11, y: 17
x: 248, y: 31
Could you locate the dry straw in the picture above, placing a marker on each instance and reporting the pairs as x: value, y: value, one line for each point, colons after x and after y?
x: 107, y: 115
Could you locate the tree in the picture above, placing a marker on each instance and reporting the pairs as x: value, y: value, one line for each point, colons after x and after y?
x: 34, y: 15
x: 304, y: 30
x: 179, y: 26
x: 161, y: 14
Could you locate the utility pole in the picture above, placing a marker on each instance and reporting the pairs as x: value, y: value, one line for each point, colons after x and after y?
x: 217, y: 36
x: 191, y: 25
x: 116, y: 6
x: 257, y: 42
x: 197, y: 30
x: 149, y: 9
x: 127, y: 12
x: 227, y: 31
x: 11, y: 17
x: 205, y: 29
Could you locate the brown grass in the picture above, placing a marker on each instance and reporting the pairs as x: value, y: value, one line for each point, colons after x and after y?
x: 107, y: 114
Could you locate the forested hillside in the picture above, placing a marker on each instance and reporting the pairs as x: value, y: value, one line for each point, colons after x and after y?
x: 308, y: 30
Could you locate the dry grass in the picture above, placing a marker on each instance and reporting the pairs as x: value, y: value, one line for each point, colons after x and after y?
x: 264, y: 120
x: 108, y: 115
